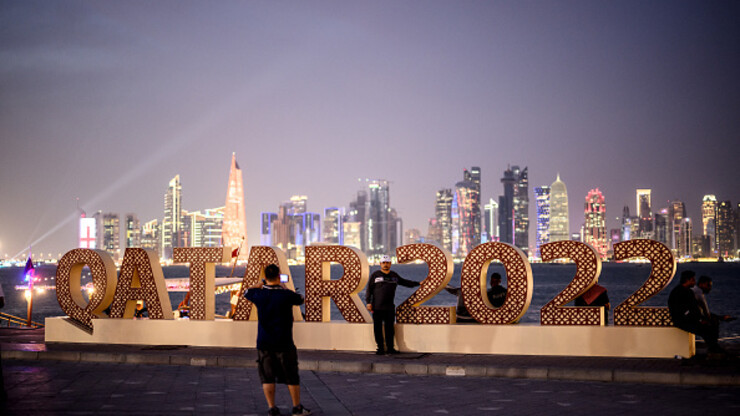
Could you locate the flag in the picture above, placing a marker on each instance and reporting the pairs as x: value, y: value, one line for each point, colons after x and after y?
x: 29, y: 268
x: 235, y: 252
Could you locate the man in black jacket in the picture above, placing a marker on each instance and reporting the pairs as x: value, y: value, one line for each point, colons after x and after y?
x: 380, y: 294
x: 686, y: 314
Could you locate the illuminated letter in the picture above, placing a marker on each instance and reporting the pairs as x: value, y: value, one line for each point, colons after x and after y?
x: 518, y: 279
x: 588, y: 269
x: 662, y: 271
x: 141, y: 279
x: 69, y: 272
x: 440, y: 273
x: 259, y: 258
x: 320, y: 288
x: 202, y: 277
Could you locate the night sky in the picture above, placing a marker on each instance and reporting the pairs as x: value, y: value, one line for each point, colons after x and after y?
x: 106, y: 101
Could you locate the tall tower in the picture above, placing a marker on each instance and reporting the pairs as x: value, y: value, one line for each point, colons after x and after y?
x: 506, y: 208
x: 172, y: 222
x: 709, y: 221
x: 542, y: 198
x: 463, y: 219
x: 521, y: 209
x: 595, y: 222
x: 725, y: 229
x: 559, y: 227
x: 644, y: 213
x: 133, y: 231
x: 474, y: 176
x: 443, y: 214
x: 234, y: 231
x: 333, y: 228
x: 378, y: 218
x: 490, y: 221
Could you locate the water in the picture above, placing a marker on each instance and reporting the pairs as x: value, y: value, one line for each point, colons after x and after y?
x: 620, y: 279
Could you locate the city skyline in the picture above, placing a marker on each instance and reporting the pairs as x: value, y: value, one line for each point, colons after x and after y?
x: 107, y: 102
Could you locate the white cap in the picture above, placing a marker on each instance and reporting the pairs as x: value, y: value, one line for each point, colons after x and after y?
x: 385, y: 259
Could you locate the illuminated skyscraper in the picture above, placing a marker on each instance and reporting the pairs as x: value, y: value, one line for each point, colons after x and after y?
x: 473, y: 176
x: 644, y: 213
x: 108, y: 227
x: 87, y: 231
x: 559, y: 227
x: 203, y: 228
x: 267, y: 221
x: 133, y: 231
x: 726, y: 229
x: 662, y: 229
x: 354, y: 222
x: 234, y: 232
x: 708, y: 221
x: 443, y: 215
x: 172, y: 222
x: 676, y: 214
x: 333, y: 228
x: 463, y: 219
x: 377, y: 220
x: 490, y: 221
x: 506, y: 208
x: 542, y: 198
x: 594, y: 232
x: 151, y: 235
x: 626, y: 231
x: 521, y: 209
x: 685, y: 237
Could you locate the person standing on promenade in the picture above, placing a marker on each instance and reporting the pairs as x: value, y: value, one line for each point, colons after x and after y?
x: 380, y: 294
x: 277, y: 356
x: 497, y: 293
x: 685, y: 312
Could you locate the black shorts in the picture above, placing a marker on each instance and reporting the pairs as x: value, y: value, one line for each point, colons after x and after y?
x: 278, y: 367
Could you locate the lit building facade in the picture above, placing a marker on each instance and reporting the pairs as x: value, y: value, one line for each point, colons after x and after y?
x: 490, y: 221
x: 172, y: 222
x: 676, y: 215
x: 726, y: 230
x: 132, y: 231
x: 626, y: 230
x: 506, y: 208
x: 708, y: 222
x: 559, y: 226
x: 594, y: 229
x: 521, y: 209
x: 87, y: 231
x: 333, y: 228
x: 661, y: 227
x: 108, y: 226
x: 151, y: 235
x: 463, y: 218
x: 378, y: 218
x: 644, y: 213
x: 234, y: 231
x: 443, y: 216
x: 267, y: 221
x: 542, y: 199
x: 204, y: 228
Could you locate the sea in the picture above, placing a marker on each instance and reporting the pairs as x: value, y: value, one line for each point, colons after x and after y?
x: 620, y: 279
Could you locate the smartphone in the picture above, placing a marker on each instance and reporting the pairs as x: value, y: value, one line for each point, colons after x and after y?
x: 283, y: 278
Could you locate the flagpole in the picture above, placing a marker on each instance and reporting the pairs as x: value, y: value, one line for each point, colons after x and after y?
x: 238, y: 251
x: 30, y: 290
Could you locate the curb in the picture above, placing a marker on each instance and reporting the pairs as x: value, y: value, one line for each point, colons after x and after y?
x: 415, y: 369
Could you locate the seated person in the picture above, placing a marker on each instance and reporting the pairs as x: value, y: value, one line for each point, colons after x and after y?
x: 702, y: 288
x: 497, y: 293
x: 686, y: 314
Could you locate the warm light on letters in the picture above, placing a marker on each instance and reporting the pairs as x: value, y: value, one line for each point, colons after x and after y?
x: 202, y: 277
x: 440, y: 266
x: 68, y: 282
x: 141, y: 279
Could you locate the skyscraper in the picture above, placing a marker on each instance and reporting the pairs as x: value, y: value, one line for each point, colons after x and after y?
x: 708, y: 221
x: 463, y: 219
x: 377, y: 219
x: 234, y: 232
x: 626, y: 232
x: 172, y: 222
x: 662, y: 229
x: 87, y: 231
x: 506, y: 208
x: 267, y: 221
x: 559, y: 227
x: 595, y: 222
x: 542, y: 198
x: 443, y: 215
x: 108, y: 227
x: 354, y: 222
x: 151, y: 235
x: 521, y: 209
x: 490, y: 221
x: 644, y: 213
x: 726, y: 229
x: 676, y: 214
x: 473, y: 176
x: 333, y: 229
x: 133, y: 231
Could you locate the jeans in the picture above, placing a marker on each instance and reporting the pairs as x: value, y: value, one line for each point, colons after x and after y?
x: 384, y: 319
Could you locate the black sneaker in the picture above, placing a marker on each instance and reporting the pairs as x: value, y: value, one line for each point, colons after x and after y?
x: 273, y: 411
x: 393, y: 351
x: 300, y: 410
x: 379, y: 352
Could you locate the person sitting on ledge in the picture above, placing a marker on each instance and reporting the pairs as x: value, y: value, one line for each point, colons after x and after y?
x: 702, y: 288
x: 686, y: 315
x: 497, y: 293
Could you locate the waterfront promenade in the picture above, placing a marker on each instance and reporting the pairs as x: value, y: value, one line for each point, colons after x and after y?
x: 120, y: 379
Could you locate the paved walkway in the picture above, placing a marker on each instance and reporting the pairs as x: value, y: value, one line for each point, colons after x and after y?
x: 122, y: 379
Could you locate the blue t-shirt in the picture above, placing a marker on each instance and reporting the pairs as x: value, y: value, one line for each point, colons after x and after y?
x: 275, y: 316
